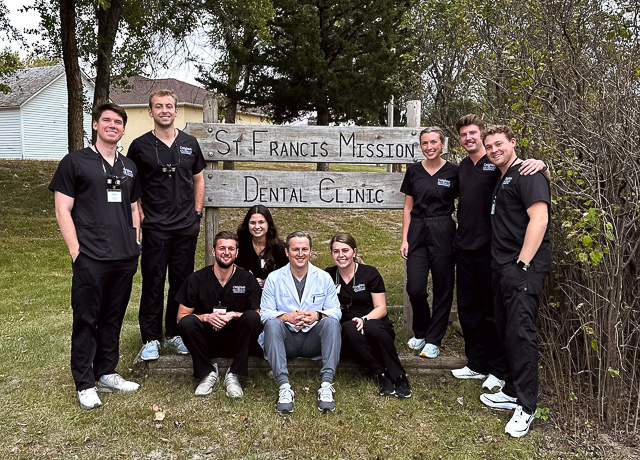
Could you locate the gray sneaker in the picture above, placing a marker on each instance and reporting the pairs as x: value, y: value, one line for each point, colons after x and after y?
x: 325, y: 397
x: 208, y: 382
x: 114, y: 383
x: 177, y: 343
x: 286, y: 397
x: 231, y: 381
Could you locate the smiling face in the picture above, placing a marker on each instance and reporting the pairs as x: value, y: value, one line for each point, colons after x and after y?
x: 163, y: 110
x: 109, y: 127
x: 258, y: 226
x: 470, y: 137
x: 225, y: 252
x: 299, y: 252
x: 500, y: 150
x: 431, y: 145
x: 343, y: 255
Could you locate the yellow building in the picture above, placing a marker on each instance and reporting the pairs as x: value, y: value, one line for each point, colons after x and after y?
x: 135, y: 100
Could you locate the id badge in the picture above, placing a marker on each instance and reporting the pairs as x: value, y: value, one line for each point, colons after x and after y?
x: 262, y: 263
x: 493, y: 208
x: 220, y: 310
x: 338, y: 288
x: 114, y: 196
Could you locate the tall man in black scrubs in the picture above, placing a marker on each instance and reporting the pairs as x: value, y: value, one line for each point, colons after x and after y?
x: 218, y: 316
x: 478, y: 178
x: 521, y: 260
x: 96, y: 192
x: 170, y: 163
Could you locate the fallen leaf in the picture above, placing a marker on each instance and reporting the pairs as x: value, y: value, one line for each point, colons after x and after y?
x: 460, y: 400
x: 160, y: 415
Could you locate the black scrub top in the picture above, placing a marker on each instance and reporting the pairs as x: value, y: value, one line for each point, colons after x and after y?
x: 250, y: 261
x: 203, y: 292
x: 433, y: 196
x: 168, y: 202
x: 513, y: 195
x: 105, y: 229
x: 355, y: 296
x: 477, y: 183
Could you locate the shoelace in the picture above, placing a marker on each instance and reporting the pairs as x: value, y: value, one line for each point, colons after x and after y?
x: 285, y: 395
x: 326, y: 393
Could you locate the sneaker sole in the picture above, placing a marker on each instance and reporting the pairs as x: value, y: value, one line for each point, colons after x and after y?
x: 502, y: 405
x: 106, y: 389
x: 518, y: 434
x: 324, y: 411
x: 424, y: 355
x: 149, y: 359
x: 401, y: 396
x: 284, y: 411
x: 471, y: 377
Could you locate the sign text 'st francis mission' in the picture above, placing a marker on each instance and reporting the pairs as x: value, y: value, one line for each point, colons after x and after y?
x: 333, y: 144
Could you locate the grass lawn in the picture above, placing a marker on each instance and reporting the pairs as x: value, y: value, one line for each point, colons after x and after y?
x: 40, y: 414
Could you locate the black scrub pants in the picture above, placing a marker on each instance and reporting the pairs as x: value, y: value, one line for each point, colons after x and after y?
x: 431, y: 248
x: 375, y: 348
x: 176, y: 250
x: 236, y: 340
x: 482, y: 345
x: 100, y: 291
x: 516, y: 298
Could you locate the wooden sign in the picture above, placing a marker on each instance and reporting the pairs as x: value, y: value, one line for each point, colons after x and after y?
x: 297, y: 189
x: 308, y: 144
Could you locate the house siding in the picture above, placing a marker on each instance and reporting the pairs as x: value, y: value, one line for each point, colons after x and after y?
x: 10, y: 145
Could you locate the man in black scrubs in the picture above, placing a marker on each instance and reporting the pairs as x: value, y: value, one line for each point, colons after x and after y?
x: 96, y: 192
x: 478, y: 178
x: 521, y: 259
x: 170, y: 164
x: 218, y: 316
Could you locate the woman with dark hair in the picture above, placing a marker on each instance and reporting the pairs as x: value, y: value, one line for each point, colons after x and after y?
x: 260, y: 251
x: 367, y: 331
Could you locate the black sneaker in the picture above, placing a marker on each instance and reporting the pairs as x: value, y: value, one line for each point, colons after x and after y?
x: 385, y: 385
x: 402, y: 389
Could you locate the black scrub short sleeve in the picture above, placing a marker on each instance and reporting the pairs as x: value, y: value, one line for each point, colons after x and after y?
x: 64, y: 179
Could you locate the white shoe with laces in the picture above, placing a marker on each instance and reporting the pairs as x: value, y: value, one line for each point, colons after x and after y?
x: 430, y: 351
x: 325, y: 397
x: 493, y: 382
x: 416, y: 344
x: 499, y: 400
x: 519, y: 424
x: 115, y: 383
x: 206, y: 385
x: 466, y: 373
x: 231, y: 381
x: 89, y: 399
x: 286, y: 397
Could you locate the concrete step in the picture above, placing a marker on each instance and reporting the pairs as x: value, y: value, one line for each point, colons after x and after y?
x: 182, y: 364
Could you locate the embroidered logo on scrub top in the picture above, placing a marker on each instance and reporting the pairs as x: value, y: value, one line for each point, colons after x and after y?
x: 507, y: 180
x: 127, y: 172
x: 488, y: 167
x: 359, y: 287
x: 239, y: 289
x: 185, y: 150
x: 444, y: 182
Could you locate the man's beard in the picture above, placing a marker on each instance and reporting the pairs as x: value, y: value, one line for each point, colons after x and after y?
x: 224, y: 266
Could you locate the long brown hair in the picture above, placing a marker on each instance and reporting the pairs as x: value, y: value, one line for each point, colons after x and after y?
x: 273, y: 241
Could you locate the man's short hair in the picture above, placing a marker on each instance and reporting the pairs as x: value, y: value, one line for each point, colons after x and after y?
x: 468, y: 120
x: 498, y: 129
x: 224, y: 235
x: 299, y: 234
x: 98, y: 110
x: 163, y: 93
x: 433, y: 129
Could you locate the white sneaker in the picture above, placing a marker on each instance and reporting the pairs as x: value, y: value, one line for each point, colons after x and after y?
x: 208, y: 382
x: 492, y: 382
x: 89, y: 399
x: 231, y: 381
x: 286, y: 397
x: 415, y: 344
x: 114, y: 383
x: 519, y: 424
x: 325, y: 397
x: 430, y: 351
x: 499, y: 400
x: 466, y: 373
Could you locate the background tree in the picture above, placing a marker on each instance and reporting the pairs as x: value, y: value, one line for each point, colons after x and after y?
x: 9, y: 61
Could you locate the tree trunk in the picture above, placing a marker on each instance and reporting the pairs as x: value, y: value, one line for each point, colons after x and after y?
x: 323, y: 120
x: 108, y: 20
x: 75, y: 132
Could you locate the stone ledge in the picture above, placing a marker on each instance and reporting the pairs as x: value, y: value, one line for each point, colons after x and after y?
x: 182, y: 364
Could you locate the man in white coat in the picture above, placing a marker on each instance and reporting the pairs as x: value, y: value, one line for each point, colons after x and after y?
x: 301, y: 315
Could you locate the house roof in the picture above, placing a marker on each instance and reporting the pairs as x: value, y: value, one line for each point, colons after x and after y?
x: 139, y: 88
x: 25, y: 83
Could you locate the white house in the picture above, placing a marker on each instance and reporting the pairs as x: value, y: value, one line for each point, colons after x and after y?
x: 33, y: 116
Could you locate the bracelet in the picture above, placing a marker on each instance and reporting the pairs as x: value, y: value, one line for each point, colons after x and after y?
x: 319, y: 316
x: 364, y: 319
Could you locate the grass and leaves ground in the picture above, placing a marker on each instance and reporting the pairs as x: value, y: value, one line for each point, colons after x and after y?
x: 41, y: 417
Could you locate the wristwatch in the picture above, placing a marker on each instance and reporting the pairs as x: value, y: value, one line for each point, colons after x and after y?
x: 364, y: 318
x: 319, y: 315
x: 522, y: 266
x: 199, y: 214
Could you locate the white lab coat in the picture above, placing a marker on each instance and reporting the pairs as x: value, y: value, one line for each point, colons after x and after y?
x: 281, y: 296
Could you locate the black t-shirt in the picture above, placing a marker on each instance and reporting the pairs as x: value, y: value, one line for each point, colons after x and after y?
x: 250, y: 261
x: 433, y: 196
x: 355, y: 296
x: 513, y: 195
x: 167, y: 202
x: 203, y: 292
x: 477, y: 183
x: 104, y: 228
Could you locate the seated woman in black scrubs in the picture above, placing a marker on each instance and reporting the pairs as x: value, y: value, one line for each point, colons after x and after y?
x: 367, y: 331
x: 260, y: 251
